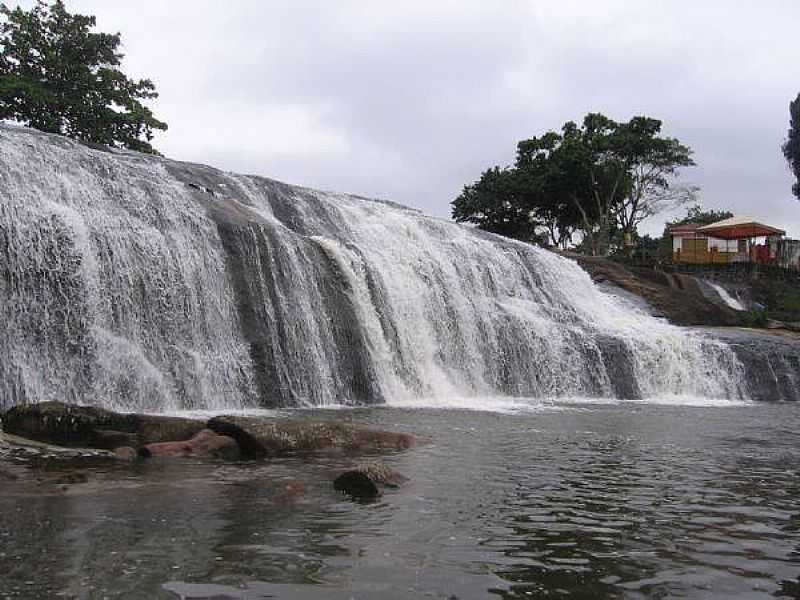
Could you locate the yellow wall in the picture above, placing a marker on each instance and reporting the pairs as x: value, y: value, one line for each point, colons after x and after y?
x: 695, y: 251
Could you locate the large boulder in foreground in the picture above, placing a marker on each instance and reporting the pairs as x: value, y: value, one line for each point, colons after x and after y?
x: 92, y: 427
x: 275, y: 437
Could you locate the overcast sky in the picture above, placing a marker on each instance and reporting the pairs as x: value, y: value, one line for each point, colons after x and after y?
x: 411, y: 100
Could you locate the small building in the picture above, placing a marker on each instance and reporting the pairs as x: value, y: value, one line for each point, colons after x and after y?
x: 738, y: 239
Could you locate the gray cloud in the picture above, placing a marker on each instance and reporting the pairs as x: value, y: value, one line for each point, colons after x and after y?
x: 410, y: 101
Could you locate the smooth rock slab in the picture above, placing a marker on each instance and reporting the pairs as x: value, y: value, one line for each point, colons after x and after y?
x: 274, y: 437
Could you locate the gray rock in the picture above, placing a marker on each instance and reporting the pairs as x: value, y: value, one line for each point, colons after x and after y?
x: 91, y: 427
x: 771, y: 360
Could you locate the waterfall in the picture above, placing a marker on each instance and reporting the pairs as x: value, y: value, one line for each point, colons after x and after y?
x: 140, y: 283
x: 732, y: 302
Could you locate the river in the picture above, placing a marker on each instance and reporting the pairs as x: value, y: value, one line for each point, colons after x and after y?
x: 534, y: 499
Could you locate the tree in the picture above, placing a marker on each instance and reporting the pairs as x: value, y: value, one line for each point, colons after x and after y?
x: 58, y: 76
x: 791, y: 149
x: 600, y: 177
x: 695, y: 215
x: 652, y: 162
x: 493, y: 203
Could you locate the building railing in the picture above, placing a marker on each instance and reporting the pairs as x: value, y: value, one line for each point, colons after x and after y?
x: 743, y: 270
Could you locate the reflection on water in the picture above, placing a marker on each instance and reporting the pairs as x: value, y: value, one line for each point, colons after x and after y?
x: 614, y: 501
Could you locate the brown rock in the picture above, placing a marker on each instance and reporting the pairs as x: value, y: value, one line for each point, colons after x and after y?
x: 126, y: 453
x: 676, y: 296
x: 113, y: 439
x: 356, y: 484
x: 366, y: 480
x: 68, y: 478
x: 8, y: 475
x: 289, y: 492
x: 275, y: 437
x: 152, y: 429
x: 205, y: 444
x: 381, y: 474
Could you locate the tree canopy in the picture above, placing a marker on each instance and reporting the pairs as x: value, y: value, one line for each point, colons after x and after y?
x: 600, y: 178
x: 791, y: 149
x: 695, y: 215
x: 56, y: 75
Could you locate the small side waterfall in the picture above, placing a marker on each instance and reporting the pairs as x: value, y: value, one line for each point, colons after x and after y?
x: 136, y: 282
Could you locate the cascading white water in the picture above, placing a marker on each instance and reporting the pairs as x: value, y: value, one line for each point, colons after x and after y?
x: 732, y: 302
x: 135, y: 282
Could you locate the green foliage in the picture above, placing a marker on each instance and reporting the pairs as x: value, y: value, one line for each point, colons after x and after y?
x: 791, y: 149
x: 600, y: 178
x: 644, y: 249
x: 58, y: 76
x: 780, y: 296
x: 755, y: 317
x: 494, y: 203
x: 695, y: 215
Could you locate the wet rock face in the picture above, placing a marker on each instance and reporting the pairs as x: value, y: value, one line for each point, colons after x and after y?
x: 771, y: 360
x: 90, y: 427
x: 618, y: 361
x: 273, y: 437
x: 675, y: 296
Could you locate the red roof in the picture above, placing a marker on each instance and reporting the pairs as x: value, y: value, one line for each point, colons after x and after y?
x: 684, y: 227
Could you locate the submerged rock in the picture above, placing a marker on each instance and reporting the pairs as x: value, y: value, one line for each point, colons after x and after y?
x: 275, y: 437
x: 92, y: 427
x: 16, y: 446
x: 382, y: 474
x: 68, y: 478
x: 289, y: 492
x: 206, y: 443
x: 126, y: 453
x: 366, y: 480
x: 7, y: 475
x: 357, y: 484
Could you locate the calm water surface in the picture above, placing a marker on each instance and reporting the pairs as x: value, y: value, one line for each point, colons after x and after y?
x: 576, y: 501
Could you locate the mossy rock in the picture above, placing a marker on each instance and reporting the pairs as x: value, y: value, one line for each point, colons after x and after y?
x: 64, y: 424
x: 91, y: 427
x: 153, y: 429
x: 276, y: 437
x: 366, y: 480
